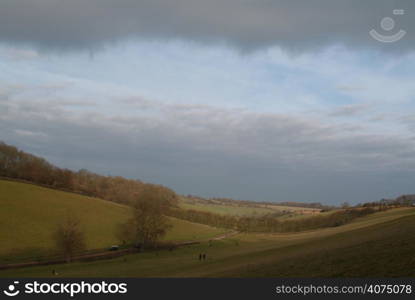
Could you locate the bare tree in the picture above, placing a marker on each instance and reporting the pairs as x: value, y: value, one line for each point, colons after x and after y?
x: 148, y: 223
x: 69, y: 236
x: 125, y: 232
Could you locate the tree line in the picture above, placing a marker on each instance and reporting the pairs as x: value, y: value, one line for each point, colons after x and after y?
x: 24, y: 166
x: 268, y: 223
x: 401, y: 201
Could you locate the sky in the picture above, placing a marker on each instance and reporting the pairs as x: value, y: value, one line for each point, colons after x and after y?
x: 255, y: 100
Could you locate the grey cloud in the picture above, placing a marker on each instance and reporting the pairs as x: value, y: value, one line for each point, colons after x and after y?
x: 28, y: 133
x: 379, y: 118
x: 245, y: 24
x: 21, y: 54
x: 407, y: 120
x: 349, y: 110
x: 218, y: 152
x: 350, y: 88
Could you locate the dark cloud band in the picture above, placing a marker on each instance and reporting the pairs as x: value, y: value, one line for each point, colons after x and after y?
x: 245, y: 24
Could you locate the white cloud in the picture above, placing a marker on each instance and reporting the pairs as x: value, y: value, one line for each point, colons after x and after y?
x: 28, y: 133
x: 212, y: 121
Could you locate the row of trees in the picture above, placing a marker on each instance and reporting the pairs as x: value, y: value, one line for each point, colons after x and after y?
x: 269, y: 223
x: 24, y: 166
x: 204, y: 217
x: 401, y: 201
x: 333, y: 219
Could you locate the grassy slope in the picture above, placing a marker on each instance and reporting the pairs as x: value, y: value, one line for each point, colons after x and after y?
x: 239, y: 210
x: 227, y: 209
x: 29, y: 214
x: 377, y: 245
x: 369, y: 247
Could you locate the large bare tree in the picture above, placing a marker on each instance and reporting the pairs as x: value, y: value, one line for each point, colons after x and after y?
x: 148, y: 223
x: 69, y: 236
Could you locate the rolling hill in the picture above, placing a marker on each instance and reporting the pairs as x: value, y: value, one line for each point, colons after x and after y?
x: 29, y: 214
x: 244, y: 208
x: 377, y: 245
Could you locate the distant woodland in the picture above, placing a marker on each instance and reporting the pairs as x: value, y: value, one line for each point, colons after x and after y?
x: 19, y: 165
x: 24, y: 166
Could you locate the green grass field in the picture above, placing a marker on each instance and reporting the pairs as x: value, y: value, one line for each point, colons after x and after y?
x: 244, y: 210
x: 227, y: 209
x: 29, y: 214
x: 378, y: 245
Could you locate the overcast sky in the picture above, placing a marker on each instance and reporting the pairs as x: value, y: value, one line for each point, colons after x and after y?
x: 257, y: 100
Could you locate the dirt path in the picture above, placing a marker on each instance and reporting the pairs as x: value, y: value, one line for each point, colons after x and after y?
x: 225, y: 235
